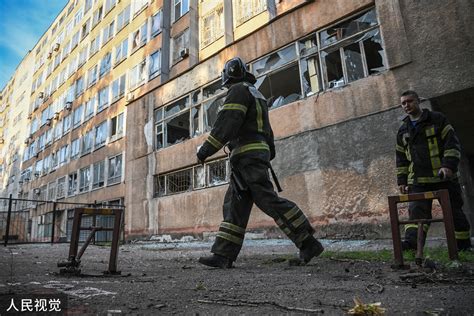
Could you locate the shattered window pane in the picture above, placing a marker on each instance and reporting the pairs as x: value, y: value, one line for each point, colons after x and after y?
x: 176, y: 107
x: 353, y: 59
x: 217, y: 172
x: 310, y: 75
x: 195, y: 113
x: 334, y: 75
x: 307, y: 46
x: 179, y: 181
x: 211, y: 109
x: 212, y: 90
x: 374, y: 52
x: 281, y: 87
x: 274, y: 60
x: 348, y: 28
x: 159, y: 136
x: 199, y: 177
x: 177, y: 129
x: 159, y: 187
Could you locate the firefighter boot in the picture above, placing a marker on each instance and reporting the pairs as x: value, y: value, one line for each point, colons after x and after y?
x: 463, y: 244
x: 216, y: 261
x: 310, y: 248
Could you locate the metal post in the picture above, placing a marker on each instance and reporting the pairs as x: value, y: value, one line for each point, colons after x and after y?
x: 7, y: 231
x: 54, y: 222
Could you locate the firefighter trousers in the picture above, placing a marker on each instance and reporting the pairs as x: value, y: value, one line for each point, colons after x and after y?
x: 253, y: 171
x: 422, y: 210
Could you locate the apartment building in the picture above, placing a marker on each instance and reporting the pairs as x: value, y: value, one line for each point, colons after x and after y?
x: 123, y: 92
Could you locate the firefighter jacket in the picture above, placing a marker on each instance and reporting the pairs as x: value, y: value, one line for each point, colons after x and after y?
x: 242, y: 122
x: 423, y: 149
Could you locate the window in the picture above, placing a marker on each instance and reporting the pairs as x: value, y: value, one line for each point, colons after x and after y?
x: 103, y: 97
x: 90, y: 108
x: 105, y: 64
x: 108, y: 33
x: 51, y: 191
x: 79, y: 86
x: 67, y: 124
x: 139, y: 37
x: 98, y: 174
x: 137, y: 75
x: 75, y: 146
x: 179, y: 44
x: 61, y: 190
x: 82, y: 56
x: 72, y: 184
x: 351, y: 50
x: 211, y: 174
x: 118, y: 88
x: 156, y: 23
x: 138, y: 5
x: 109, y: 5
x: 57, y: 60
x: 87, y: 5
x: 121, y: 51
x: 116, y: 127
x: 75, y: 40
x: 63, y: 154
x: 85, y: 29
x: 100, y: 134
x: 123, y: 18
x: 66, y: 48
x: 58, y: 130
x: 155, y: 64
x: 54, y: 161
x: 189, y: 116
x: 244, y: 10
x: 92, y: 76
x: 46, y: 164
x: 94, y: 47
x: 77, y: 116
x: 48, y: 136
x: 86, y: 142
x: 78, y: 17
x: 84, y: 179
x: 115, y: 170
x: 97, y: 16
x: 180, y: 8
x: 212, y: 25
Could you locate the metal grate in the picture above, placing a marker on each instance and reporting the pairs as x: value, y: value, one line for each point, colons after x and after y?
x: 180, y: 181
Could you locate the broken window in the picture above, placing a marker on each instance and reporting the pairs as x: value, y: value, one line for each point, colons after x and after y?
x: 98, y: 174
x: 159, y: 186
x: 213, y: 100
x: 199, y: 177
x: 218, y: 172
x: 86, y: 142
x: 72, y: 184
x: 84, y: 179
x: 115, y: 170
x: 333, y: 65
x: 100, y: 134
x: 177, y: 129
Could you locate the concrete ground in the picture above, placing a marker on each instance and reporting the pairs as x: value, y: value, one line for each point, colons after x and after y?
x: 164, y: 278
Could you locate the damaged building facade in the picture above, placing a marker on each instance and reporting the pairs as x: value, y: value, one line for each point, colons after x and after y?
x: 332, y: 71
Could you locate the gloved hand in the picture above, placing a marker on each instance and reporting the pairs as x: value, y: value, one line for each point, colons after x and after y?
x: 201, y: 155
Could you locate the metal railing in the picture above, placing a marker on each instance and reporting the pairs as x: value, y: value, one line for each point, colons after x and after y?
x: 42, y: 221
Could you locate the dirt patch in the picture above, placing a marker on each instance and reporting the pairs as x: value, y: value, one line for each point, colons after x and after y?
x: 168, y: 280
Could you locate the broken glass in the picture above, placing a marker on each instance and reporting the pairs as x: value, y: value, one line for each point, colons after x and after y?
x: 281, y: 87
x: 195, y: 115
x: 199, y: 177
x: 176, y: 106
x: 374, y: 53
x: 217, y: 172
x: 308, y: 45
x: 274, y: 61
x: 332, y: 62
x: 211, y: 110
x: 177, y: 129
x: 348, y: 28
x: 213, y: 89
x: 354, y: 64
x: 310, y: 77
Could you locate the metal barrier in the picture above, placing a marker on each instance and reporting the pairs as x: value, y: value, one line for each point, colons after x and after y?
x: 40, y: 221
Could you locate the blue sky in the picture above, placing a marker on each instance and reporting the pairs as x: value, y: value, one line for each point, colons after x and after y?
x: 22, y: 23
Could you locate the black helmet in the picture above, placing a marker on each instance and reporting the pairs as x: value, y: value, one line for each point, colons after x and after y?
x: 234, y: 71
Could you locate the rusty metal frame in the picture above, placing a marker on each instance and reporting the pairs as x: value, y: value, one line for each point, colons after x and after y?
x: 443, y: 197
x: 73, y: 261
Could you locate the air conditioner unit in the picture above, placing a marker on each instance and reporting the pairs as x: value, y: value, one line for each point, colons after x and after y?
x: 48, y: 122
x: 183, y: 53
x: 56, y: 116
x: 129, y: 97
x: 41, y: 95
x: 36, y: 174
x: 68, y: 105
x: 56, y: 47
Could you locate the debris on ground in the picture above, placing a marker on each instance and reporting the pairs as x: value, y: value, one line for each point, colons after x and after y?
x: 361, y: 309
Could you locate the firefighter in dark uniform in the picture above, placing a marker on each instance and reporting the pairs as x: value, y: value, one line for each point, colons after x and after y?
x: 243, y: 125
x: 427, y: 158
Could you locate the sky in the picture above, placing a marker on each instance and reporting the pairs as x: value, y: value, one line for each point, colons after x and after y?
x: 22, y: 23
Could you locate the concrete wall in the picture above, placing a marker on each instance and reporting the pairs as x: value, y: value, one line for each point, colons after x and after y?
x: 335, y: 151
